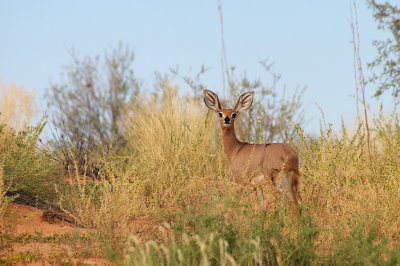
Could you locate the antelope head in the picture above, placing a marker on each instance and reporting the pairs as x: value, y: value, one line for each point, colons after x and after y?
x: 227, y: 116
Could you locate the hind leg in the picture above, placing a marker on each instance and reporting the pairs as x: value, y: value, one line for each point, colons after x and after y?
x: 289, y: 186
x: 283, y: 182
x: 295, y: 187
x: 275, y: 181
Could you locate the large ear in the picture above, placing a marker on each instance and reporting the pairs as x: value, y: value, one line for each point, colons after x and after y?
x: 244, y: 102
x: 211, y: 100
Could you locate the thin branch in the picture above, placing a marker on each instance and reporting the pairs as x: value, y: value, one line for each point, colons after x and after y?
x: 355, y: 66
x: 361, y: 77
x: 224, y: 63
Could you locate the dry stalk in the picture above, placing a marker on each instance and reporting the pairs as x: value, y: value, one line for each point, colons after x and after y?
x: 359, y: 76
x: 224, y: 63
x: 355, y: 68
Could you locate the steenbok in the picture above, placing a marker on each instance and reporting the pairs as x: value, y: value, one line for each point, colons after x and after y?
x: 251, y: 163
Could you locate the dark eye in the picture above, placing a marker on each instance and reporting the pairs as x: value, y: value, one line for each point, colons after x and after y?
x: 234, y: 115
x: 220, y: 115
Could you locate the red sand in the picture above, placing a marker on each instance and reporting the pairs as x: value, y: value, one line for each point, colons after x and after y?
x: 22, y: 219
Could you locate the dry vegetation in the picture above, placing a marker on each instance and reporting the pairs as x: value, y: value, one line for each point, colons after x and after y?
x: 3, y: 199
x: 342, y: 186
x: 145, y: 181
x: 162, y: 193
x: 17, y: 106
x: 169, y: 200
x: 177, y: 173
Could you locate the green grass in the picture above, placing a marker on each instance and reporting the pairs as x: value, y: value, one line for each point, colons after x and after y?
x: 66, y: 247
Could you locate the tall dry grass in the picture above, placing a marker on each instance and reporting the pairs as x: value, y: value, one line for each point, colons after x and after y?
x: 349, y: 215
x: 177, y: 150
x: 341, y: 186
x: 175, y: 171
x: 173, y: 163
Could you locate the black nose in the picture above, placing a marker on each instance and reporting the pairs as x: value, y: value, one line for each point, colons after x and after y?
x: 227, y: 119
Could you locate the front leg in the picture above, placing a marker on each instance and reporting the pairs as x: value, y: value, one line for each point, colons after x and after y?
x: 261, y: 196
x: 256, y: 183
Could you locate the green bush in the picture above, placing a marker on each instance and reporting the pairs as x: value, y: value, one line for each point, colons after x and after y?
x: 3, y: 199
x: 26, y: 169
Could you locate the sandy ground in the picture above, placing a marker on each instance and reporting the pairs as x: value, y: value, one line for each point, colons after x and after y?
x: 23, y: 220
x: 26, y: 219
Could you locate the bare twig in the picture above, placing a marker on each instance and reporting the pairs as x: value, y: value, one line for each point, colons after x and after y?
x: 224, y: 63
x: 323, y: 114
x: 192, y: 81
x: 359, y: 75
x: 355, y: 65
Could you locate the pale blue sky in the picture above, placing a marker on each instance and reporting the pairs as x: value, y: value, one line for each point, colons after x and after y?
x: 310, y: 41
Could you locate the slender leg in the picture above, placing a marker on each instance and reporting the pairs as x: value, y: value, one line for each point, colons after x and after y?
x: 286, y: 187
x: 295, y: 188
x: 256, y: 183
x: 261, y: 195
x: 294, y: 195
x: 276, y: 193
x: 284, y: 184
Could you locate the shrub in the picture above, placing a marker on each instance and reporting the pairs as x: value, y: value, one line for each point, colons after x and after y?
x: 88, y: 102
x: 25, y: 168
x: 3, y: 199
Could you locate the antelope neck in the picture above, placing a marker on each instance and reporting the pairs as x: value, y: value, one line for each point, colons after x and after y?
x: 231, y: 143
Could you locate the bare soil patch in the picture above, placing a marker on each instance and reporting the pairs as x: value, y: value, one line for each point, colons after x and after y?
x: 38, y: 237
x: 22, y: 219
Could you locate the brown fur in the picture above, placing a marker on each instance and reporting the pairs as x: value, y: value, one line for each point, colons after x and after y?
x: 249, y: 161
